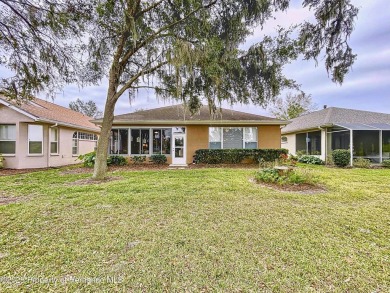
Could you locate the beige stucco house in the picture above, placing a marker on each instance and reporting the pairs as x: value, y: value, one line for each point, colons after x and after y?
x: 174, y: 132
x: 40, y: 134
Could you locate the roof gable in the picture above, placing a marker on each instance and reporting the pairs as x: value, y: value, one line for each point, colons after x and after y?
x: 333, y: 115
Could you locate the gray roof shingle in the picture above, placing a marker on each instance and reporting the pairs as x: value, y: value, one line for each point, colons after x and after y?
x: 178, y: 114
x: 332, y: 116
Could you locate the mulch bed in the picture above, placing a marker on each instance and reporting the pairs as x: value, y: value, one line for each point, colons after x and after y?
x: 297, y: 188
x: 9, y: 172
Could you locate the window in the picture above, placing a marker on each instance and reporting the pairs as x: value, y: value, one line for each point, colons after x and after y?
x: 75, y: 144
x: 309, y: 143
x: 119, y: 141
x: 215, y: 138
x: 87, y: 136
x: 54, y: 140
x: 250, y: 137
x: 233, y: 137
x: 7, y: 139
x: 35, y: 139
x: 162, y: 141
x: 140, y: 141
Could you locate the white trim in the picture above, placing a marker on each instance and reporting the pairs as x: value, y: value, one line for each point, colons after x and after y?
x: 351, y: 146
x: 28, y: 141
x: 17, y: 109
x: 57, y: 141
x: 179, y: 161
x: 380, y: 146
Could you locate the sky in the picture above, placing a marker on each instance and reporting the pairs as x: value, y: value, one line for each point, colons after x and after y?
x: 366, y: 87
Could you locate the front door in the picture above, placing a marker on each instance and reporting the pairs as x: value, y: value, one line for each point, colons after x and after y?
x: 179, y: 149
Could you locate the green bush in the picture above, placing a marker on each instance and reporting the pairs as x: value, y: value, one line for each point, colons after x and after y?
x: 386, y: 163
x: 234, y: 156
x: 272, y: 175
x: 138, y: 159
x: 1, y: 161
x: 116, y: 160
x: 341, y: 158
x: 88, y: 159
x: 310, y: 160
x: 361, y: 163
x: 158, y: 159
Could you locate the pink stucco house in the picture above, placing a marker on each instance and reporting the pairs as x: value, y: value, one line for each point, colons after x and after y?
x: 40, y: 134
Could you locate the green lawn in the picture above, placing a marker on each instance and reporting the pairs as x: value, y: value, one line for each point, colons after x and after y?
x: 192, y: 230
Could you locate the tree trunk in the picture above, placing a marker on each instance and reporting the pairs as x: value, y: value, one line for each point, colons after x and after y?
x: 100, y: 168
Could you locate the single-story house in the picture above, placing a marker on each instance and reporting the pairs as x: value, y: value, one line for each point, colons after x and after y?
x: 40, y: 134
x: 172, y: 131
x: 365, y: 134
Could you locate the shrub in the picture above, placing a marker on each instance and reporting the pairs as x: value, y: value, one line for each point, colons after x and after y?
x: 272, y: 175
x: 234, y: 156
x: 310, y: 160
x: 158, y: 159
x: 1, y: 161
x: 386, y: 163
x: 361, y: 163
x: 88, y: 159
x: 116, y: 161
x: 138, y: 159
x: 341, y: 158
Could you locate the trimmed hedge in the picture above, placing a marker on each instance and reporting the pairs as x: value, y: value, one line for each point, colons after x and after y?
x: 341, y: 158
x: 158, y: 159
x: 234, y: 156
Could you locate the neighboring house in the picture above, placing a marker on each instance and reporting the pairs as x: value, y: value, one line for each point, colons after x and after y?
x: 365, y: 134
x: 39, y: 134
x: 172, y: 131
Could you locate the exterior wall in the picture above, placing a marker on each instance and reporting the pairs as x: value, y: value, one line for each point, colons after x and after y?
x: 197, y: 138
x: 269, y: 136
x: 290, y: 144
x: 27, y: 161
x: 22, y: 160
x: 65, y: 156
x: 9, y: 116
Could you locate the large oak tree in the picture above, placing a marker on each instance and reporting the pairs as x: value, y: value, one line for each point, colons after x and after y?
x: 190, y: 50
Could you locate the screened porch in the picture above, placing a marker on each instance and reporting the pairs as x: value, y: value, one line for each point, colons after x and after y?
x: 369, y: 141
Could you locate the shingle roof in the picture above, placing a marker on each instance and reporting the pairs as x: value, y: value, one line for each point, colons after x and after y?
x: 49, y: 112
x: 332, y: 116
x: 178, y: 114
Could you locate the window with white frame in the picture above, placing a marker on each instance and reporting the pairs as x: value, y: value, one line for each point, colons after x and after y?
x: 7, y: 139
x: 233, y: 137
x: 75, y: 144
x: 53, y: 141
x: 35, y: 139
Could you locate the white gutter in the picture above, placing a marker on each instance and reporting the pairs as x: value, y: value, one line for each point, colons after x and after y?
x: 67, y: 125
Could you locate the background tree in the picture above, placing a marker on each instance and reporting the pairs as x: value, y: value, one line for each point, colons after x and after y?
x: 88, y: 108
x: 38, y: 43
x: 292, y: 106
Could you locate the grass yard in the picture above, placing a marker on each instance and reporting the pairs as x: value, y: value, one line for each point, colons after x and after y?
x: 194, y: 230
